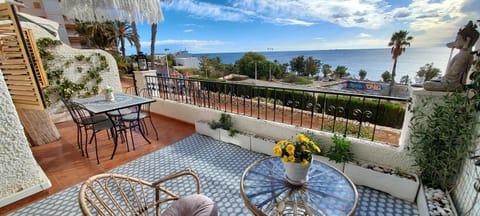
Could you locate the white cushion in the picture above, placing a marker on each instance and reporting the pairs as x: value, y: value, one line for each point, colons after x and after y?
x: 192, y: 205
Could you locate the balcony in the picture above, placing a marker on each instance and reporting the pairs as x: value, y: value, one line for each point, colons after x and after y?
x: 65, y: 167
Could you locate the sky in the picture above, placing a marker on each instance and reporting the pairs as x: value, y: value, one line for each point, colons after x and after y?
x: 285, y: 25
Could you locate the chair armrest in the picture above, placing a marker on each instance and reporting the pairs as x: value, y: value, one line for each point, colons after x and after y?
x: 179, y: 174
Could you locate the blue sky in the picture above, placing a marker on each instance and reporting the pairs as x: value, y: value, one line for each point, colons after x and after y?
x: 283, y: 25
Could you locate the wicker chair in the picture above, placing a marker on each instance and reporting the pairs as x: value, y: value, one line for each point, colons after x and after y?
x: 114, y: 194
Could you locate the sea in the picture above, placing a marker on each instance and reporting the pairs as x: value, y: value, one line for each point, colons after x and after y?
x: 374, y: 61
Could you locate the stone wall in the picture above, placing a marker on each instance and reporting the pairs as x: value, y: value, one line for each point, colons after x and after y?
x: 20, y: 174
x: 64, y: 53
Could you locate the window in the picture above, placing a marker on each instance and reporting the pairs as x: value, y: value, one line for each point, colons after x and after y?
x: 37, y: 5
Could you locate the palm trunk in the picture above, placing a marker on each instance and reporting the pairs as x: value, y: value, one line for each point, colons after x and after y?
x: 136, y: 39
x: 122, y: 44
x: 392, y: 82
x: 152, y: 44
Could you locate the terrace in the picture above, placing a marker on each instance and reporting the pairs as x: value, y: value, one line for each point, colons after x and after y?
x: 263, y: 112
x: 176, y: 121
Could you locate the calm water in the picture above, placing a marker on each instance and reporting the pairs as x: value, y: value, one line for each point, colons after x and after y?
x: 374, y: 61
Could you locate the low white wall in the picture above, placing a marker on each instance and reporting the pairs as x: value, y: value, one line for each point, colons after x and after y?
x: 385, y: 155
x: 20, y: 175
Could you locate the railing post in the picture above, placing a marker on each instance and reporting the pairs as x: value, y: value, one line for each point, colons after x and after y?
x: 139, y: 81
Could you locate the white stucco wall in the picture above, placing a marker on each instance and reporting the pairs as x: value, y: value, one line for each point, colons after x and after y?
x: 385, y: 155
x: 20, y: 175
x: 64, y: 53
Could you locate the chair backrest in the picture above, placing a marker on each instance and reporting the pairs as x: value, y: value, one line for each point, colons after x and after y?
x: 114, y: 194
x: 81, y: 113
x: 71, y: 110
x: 146, y: 93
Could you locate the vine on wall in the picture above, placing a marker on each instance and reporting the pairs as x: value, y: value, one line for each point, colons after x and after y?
x: 90, y: 68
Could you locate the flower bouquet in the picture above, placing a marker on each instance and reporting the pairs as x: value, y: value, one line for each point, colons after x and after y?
x: 297, y: 157
x: 108, y: 92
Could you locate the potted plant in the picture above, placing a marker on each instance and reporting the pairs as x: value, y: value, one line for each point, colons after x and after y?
x: 223, y: 130
x: 297, y: 157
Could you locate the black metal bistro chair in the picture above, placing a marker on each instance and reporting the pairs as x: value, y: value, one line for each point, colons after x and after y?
x: 81, y: 124
x: 91, y: 123
x: 136, y: 119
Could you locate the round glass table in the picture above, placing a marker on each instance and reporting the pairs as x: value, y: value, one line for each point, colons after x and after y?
x: 265, y: 191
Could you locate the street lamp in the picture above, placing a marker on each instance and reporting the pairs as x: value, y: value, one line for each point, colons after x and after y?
x: 166, y: 61
x: 270, y: 67
x: 142, y: 61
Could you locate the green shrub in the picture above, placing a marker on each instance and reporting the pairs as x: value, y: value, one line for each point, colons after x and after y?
x: 340, y: 150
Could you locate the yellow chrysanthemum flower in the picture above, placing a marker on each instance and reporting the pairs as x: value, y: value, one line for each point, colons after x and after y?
x: 316, y: 148
x: 285, y: 159
x: 290, y: 149
x: 277, y: 150
x: 304, y: 162
x: 291, y: 158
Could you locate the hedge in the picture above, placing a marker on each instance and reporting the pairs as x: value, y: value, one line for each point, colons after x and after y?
x: 384, y: 112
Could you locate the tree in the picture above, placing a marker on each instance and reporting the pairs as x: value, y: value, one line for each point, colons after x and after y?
x: 405, y: 80
x: 362, y: 74
x: 99, y: 35
x: 312, y: 66
x: 136, y: 39
x: 326, y: 70
x: 152, y: 43
x: 297, y: 65
x: 341, y: 71
x: 386, y: 76
x: 124, y: 32
x: 246, y: 64
x: 428, y: 71
x: 205, y: 65
x: 398, y: 42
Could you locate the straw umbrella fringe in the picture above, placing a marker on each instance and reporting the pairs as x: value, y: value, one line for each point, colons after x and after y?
x: 110, y: 10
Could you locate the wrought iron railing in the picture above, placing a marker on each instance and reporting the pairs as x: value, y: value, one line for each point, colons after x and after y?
x: 372, y: 117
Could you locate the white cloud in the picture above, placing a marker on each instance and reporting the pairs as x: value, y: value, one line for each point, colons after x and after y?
x: 347, y: 13
x: 433, y: 22
x: 364, y: 35
x: 188, y: 30
x: 188, y: 44
x: 281, y: 21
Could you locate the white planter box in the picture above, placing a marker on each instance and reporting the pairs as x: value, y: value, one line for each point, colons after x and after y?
x: 397, y: 186
x: 339, y: 166
x: 422, y: 203
x: 262, y: 145
x: 204, y: 128
x: 239, y: 139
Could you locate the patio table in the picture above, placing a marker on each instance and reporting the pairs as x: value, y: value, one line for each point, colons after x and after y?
x: 265, y: 190
x: 98, y: 105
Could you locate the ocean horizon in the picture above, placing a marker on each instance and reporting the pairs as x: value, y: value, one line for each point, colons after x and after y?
x: 374, y: 61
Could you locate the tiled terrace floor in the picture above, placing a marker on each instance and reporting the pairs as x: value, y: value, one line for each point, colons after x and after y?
x: 63, y: 164
x: 220, y: 166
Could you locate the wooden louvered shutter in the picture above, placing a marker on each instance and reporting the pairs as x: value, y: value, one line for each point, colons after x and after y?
x: 35, y: 58
x: 18, y: 72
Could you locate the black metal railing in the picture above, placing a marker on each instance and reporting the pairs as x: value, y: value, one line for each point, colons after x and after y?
x: 372, y: 117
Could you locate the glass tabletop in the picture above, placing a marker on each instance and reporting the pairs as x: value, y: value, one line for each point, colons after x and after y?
x: 98, y: 104
x: 265, y: 190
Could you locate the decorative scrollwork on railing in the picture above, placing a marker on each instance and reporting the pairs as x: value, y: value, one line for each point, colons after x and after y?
x: 318, y: 108
x: 362, y: 115
x: 309, y: 106
x: 289, y: 103
x: 335, y: 111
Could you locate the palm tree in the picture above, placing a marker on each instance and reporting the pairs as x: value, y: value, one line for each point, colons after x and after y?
x: 398, y: 41
x: 362, y: 74
x: 152, y: 44
x: 136, y: 39
x: 124, y: 32
x: 99, y: 35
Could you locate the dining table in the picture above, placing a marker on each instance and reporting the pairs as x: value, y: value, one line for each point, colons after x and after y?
x: 102, y: 105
